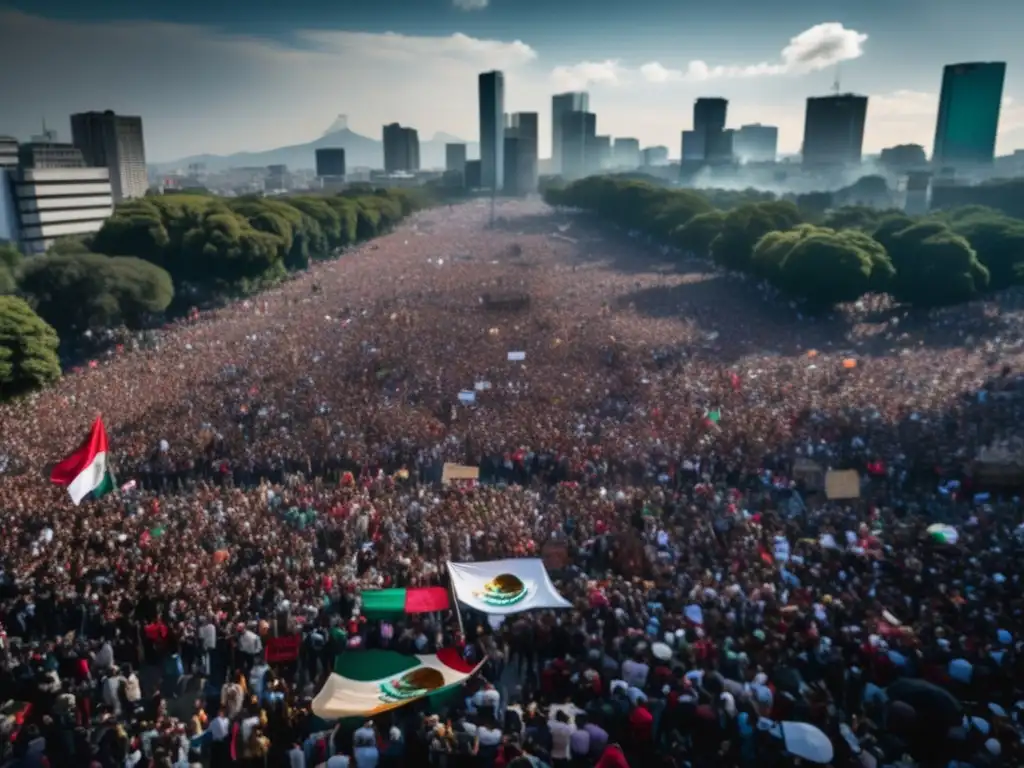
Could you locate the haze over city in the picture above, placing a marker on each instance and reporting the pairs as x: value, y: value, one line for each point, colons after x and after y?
x: 210, y: 78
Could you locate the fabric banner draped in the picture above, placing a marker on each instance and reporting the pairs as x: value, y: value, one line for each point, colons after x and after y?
x: 367, y: 683
x: 504, y: 587
x: 384, y: 603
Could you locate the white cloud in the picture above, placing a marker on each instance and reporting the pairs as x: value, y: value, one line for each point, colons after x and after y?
x: 471, y: 5
x: 819, y: 47
x: 200, y: 90
x: 587, y: 73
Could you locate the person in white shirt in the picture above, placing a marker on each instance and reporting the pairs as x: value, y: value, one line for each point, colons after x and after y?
x: 487, y: 700
x: 296, y: 757
x: 257, y: 676
x: 561, y: 737
x: 635, y: 672
x: 250, y: 646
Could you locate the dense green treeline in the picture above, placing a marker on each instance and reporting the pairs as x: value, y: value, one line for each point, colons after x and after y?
x: 819, y: 257
x: 166, y: 253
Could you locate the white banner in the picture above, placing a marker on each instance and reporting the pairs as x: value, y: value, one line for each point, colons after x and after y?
x: 504, y: 587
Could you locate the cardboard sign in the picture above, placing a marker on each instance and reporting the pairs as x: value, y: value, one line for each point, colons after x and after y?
x: 282, y: 650
x: 516, y: 357
x: 458, y: 474
x: 842, y: 484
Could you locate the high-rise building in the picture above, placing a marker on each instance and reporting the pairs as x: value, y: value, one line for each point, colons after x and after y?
x: 455, y: 157
x: 8, y: 152
x: 510, y: 156
x: 492, y: 129
x: 54, y: 202
x: 472, y: 174
x: 524, y: 126
x: 654, y: 156
x: 113, y: 142
x: 709, y: 115
x: 756, y: 143
x: 401, y: 149
x: 692, y: 147
x: 579, y: 130
x: 330, y: 162
x: 601, y: 157
x: 278, y: 178
x: 965, y: 133
x: 626, y: 153
x: 561, y: 104
x: 834, y: 130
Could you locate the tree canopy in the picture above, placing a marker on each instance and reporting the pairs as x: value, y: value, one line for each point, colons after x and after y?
x: 150, y: 249
x: 864, y: 246
x: 236, y: 246
x: 28, y: 348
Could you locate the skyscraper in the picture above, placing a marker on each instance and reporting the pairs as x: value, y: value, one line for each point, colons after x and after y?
x: 756, y: 143
x: 626, y: 153
x: 709, y: 116
x: 455, y: 157
x: 965, y: 133
x: 401, y: 149
x: 579, y: 131
x: 561, y: 104
x: 113, y: 142
x: 834, y: 130
x: 492, y: 129
x: 524, y: 126
x: 330, y: 162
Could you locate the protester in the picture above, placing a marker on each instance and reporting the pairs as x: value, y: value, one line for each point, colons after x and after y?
x: 278, y: 457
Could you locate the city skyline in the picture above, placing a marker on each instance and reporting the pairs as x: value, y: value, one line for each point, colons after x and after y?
x: 645, y: 92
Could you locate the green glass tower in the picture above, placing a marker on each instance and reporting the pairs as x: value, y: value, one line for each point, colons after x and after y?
x: 965, y: 133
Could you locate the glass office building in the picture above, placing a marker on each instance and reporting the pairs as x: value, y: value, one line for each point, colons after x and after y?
x: 965, y: 133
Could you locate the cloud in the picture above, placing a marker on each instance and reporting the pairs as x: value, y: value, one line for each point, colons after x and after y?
x: 202, y: 90
x: 587, y: 73
x: 819, y: 47
x: 471, y: 5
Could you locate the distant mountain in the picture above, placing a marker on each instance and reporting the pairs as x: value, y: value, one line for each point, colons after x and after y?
x: 360, y: 152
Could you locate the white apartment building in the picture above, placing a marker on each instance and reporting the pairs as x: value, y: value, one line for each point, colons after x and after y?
x: 59, y: 202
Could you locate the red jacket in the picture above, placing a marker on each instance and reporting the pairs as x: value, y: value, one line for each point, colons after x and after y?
x: 612, y: 757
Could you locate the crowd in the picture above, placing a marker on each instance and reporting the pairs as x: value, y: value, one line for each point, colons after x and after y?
x: 279, y: 456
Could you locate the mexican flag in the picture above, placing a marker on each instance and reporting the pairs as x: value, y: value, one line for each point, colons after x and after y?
x: 85, y: 471
x: 367, y: 683
x: 388, y: 603
x: 943, y: 534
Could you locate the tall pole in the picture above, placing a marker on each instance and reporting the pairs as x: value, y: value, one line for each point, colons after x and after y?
x: 494, y: 197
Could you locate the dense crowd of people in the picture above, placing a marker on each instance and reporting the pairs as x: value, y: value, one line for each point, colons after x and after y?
x: 664, y: 427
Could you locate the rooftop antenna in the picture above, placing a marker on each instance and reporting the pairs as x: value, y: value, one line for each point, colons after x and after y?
x: 835, y: 83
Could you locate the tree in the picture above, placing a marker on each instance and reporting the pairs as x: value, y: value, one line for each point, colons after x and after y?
x: 75, y: 292
x: 10, y: 256
x: 934, y: 265
x: 826, y: 268
x: 70, y: 244
x: 745, y: 226
x: 999, y: 243
x: 28, y: 349
x: 697, y: 234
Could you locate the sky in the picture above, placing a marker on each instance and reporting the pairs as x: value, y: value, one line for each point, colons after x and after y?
x: 228, y: 76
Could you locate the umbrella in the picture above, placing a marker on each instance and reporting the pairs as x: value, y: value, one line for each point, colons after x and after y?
x: 807, y: 742
x: 943, y: 534
x: 929, y: 700
x: 661, y: 651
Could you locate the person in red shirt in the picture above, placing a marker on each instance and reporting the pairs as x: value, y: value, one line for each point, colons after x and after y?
x: 641, y: 732
x: 613, y: 757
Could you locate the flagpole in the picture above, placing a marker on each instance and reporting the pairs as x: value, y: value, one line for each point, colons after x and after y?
x: 455, y: 601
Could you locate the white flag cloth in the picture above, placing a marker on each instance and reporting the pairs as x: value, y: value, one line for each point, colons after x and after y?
x: 504, y: 587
